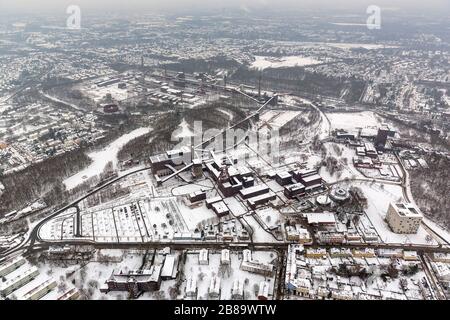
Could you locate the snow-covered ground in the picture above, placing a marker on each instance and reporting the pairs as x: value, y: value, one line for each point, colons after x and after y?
x: 183, y: 130
x: 190, y: 188
x: 379, y: 196
x: 55, y: 99
x: 99, y: 93
x: 366, y: 46
x: 344, y: 156
x: 270, y: 217
x: 353, y: 120
x: 259, y: 234
x: 100, y: 158
x: 228, y: 113
x: 264, y: 62
x: 277, y: 118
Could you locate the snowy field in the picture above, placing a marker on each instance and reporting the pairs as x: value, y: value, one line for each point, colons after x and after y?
x: 101, y: 158
x: 353, y: 120
x: 379, y: 196
x: 270, y: 217
x: 191, y: 187
x: 264, y: 62
x: 183, y: 130
x: 278, y: 119
x: 348, y: 46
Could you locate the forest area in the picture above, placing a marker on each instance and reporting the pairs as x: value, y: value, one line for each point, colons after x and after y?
x: 41, y: 180
x: 299, y: 81
x: 159, y: 139
x: 430, y: 189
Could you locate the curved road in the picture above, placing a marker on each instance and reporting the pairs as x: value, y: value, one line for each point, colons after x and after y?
x: 33, y: 235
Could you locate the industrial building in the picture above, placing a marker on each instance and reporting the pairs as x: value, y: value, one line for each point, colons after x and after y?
x: 230, y: 179
x: 197, y: 168
x: 321, y: 219
x: 172, y: 158
x: 383, y: 133
x: 310, y: 178
x: 283, y: 178
x: 225, y: 257
x: 170, y: 268
x: 261, y: 199
x: 253, y: 191
x: 293, y: 190
x: 134, y: 281
x: 220, y: 209
x: 211, y: 201
x: 197, y: 196
x: 370, y: 150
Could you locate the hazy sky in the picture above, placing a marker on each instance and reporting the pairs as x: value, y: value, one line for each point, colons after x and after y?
x: 408, y: 6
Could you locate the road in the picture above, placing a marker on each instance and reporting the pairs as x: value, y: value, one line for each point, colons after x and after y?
x: 406, y: 186
x: 33, y: 235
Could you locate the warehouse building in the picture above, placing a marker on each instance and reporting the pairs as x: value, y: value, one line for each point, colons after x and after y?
x: 261, y: 199
x: 169, y: 270
x: 283, y: 178
x: 293, y: 190
x: 197, y: 196
x: 134, y: 281
x: 220, y: 209
x: 253, y: 191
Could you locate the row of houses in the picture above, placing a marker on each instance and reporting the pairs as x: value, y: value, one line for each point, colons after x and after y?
x: 321, y: 253
x: 300, y: 274
x: 18, y: 281
x: 251, y: 265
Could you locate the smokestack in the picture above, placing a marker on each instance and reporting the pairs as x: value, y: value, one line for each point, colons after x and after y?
x: 259, y: 84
